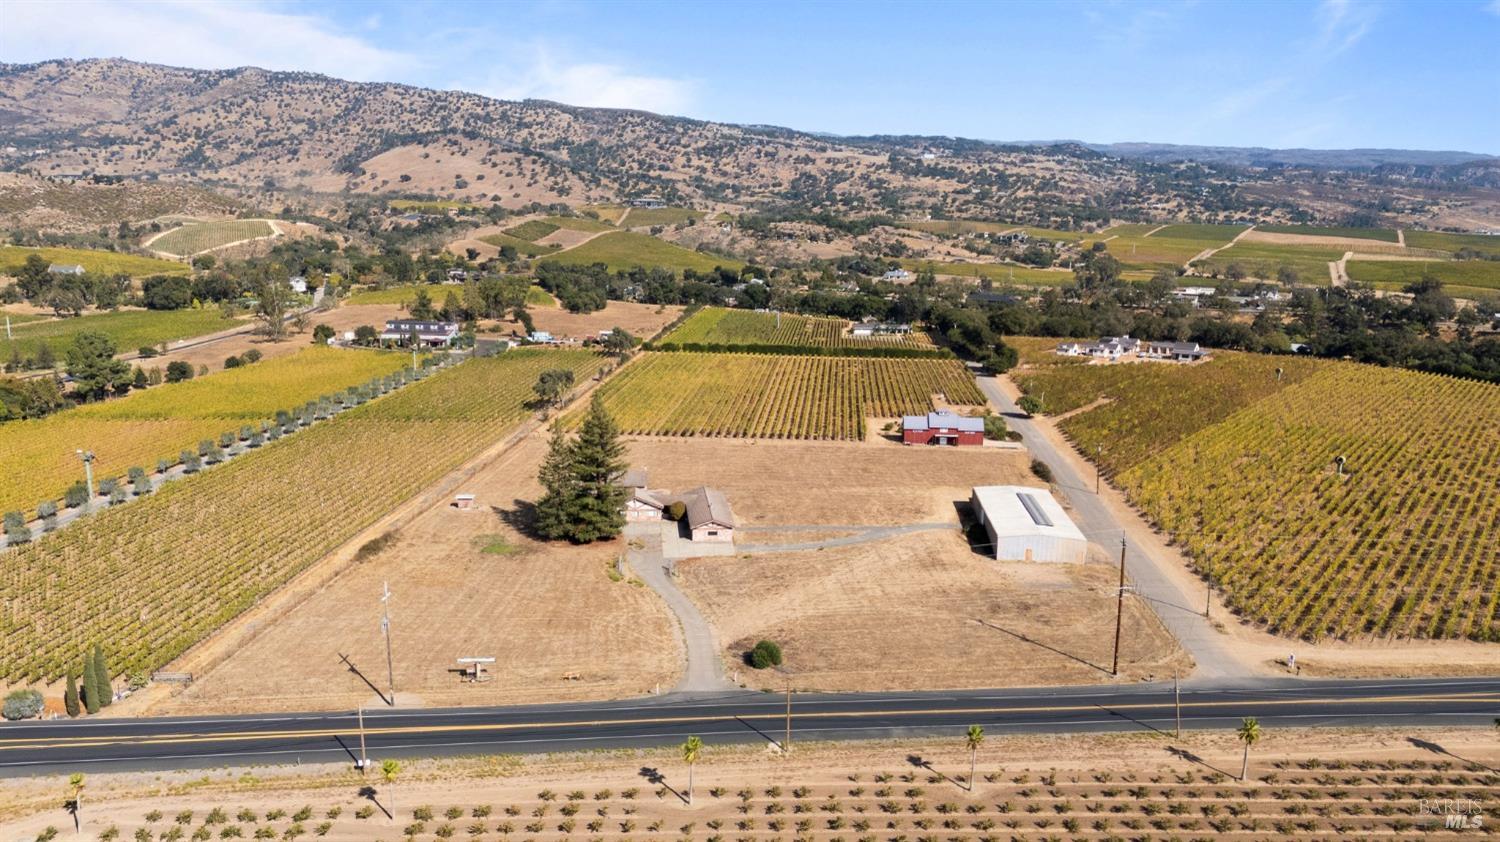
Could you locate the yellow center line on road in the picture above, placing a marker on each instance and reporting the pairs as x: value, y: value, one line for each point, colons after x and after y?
x: 240, y: 736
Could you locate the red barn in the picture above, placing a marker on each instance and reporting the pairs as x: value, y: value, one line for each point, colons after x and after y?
x: 942, y: 428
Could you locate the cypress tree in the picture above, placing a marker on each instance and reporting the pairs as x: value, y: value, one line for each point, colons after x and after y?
x: 90, y: 686
x: 70, y: 696
x: 598, y: 458
x: 101, y: 675
x: 554, y: 511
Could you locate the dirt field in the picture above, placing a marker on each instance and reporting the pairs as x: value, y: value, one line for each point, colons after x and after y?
x: 1302, y: 783
x: 639, y: 320
x: 213, y: 354
x: 924, y: 611
x: 1351, y: 243
x: 556, y: 624
x: 917, y: 610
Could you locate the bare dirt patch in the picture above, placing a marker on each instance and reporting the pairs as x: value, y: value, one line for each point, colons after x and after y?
x: 639, y: 320
x: 1258, y: 236
x: 924, y: 610
x: 556, y: 624
x: 778, y: 483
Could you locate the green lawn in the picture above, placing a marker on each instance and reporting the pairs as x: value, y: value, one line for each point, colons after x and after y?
x: 525, y: 247
x: 538, y: 297
x: 1380, y: 234
x: 18, y: 318
x: 627, y: 250
x: 578, y: 223
x: 429, y: 204
x: 531, y: 231
x: 1477, y: 274
x: 12, y: 258
x: 1003, y: 272
x: 130, y: 329
x: 1211, y: 235
x: 639, y: 217
x: 1264, y: 260
x: 1487, y: 243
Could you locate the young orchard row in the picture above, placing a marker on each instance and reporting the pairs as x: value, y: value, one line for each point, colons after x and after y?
x: 150, y: 579
x: 147, y: 426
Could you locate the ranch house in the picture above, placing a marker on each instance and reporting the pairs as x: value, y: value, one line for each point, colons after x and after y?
x: 880, y: 329
x: 942, y: 428
x: 429, y: 334
x: 707, y: 514
x: 1182, y: 352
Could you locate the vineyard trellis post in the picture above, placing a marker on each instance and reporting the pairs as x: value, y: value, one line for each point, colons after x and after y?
x: 1119, y: 610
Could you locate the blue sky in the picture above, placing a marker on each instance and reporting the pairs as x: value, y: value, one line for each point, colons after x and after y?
x: 1335, y: 73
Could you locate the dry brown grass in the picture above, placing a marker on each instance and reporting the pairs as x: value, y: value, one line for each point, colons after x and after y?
x: 546, y: 612
x: 924, y: 611
x: 213, y: 354
x: 904, y: 612
x: 639, y: 320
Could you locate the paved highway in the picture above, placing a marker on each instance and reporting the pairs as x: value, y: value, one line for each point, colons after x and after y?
x: 733, y: 717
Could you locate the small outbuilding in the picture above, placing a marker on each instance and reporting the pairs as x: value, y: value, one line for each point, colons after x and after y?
x: 942, y: 428
x: 709, y: 517
x: 1027, y: 524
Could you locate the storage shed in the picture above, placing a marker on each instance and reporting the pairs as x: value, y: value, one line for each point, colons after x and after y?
x: 1027, y: 524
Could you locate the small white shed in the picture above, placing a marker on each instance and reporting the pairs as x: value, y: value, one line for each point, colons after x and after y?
x: 1027, y: 524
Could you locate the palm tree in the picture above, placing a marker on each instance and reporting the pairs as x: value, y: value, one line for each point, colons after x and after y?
x: 389, y: 770
x: 1249, y: 734
x: 690, y: 750
x: 972, y: 738
x: 75, y: 782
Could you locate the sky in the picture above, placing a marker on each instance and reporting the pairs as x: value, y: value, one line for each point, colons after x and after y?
x: 1317, y: 74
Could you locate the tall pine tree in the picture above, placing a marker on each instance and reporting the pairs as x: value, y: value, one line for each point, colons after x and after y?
x: 90, y: 686
x: 598, y: 458
x: 554, y: 512
x: 70, y: 696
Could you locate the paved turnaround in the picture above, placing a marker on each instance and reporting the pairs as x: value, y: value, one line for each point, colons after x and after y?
x: 734, y: 717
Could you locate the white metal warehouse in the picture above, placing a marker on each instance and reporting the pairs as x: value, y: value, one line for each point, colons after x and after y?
x: 1027, y: 524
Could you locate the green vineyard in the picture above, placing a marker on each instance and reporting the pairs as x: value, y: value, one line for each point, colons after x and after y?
x: 786, y: 397
x: 749, y: 328
x: 149, y: 580
x: 1242, y: 471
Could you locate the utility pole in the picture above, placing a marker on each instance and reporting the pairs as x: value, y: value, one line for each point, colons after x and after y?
x: 1119, y: 610
x: 786, y: 745
x: 1177, y: 701
x: 88, y: 477
x: 385, y: 627
x: 364, y: 760
x: 1208, y: 600
x: 1098, y: 454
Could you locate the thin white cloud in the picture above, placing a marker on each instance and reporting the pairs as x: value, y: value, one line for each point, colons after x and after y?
x: 594, y: 84
x: 1494, y: 7
x: 1342, y: 23
x: 202, y: 33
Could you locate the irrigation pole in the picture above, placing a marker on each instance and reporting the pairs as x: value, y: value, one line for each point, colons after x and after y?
x: 1119, y: 610
x: 385, y: 628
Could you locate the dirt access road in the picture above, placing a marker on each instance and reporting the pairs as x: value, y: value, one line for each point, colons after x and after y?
x: 1181, y: 612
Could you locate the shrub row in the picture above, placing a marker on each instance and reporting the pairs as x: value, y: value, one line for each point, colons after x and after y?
x: 889, y: 351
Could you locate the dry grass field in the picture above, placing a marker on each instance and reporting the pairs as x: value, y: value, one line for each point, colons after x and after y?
x: 639, y: 320
x: 556, y: 624
x: 917, y: 610
x: 1304, y: 784
x: 924, y: 611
